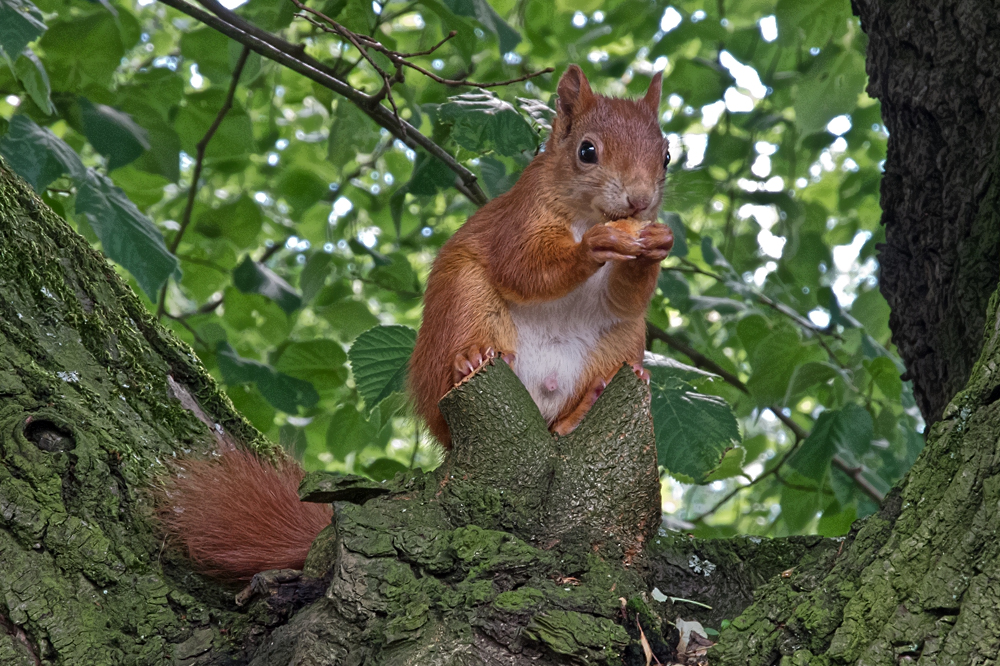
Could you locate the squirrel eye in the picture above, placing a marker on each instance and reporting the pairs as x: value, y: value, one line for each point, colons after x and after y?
x: 588, y: 153
x: 666, y: 160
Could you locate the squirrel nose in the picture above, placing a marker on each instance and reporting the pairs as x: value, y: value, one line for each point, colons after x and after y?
x: 637, y: 203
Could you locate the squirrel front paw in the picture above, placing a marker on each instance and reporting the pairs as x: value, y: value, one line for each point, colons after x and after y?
x: 468, y: 362
x: 656, y: 239
x: 606, y: 243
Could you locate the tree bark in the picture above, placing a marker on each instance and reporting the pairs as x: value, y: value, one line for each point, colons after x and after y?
x: 933, y: 65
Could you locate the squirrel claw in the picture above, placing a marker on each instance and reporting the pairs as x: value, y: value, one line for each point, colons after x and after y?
x: 468, y: 363
x: 641, y: 372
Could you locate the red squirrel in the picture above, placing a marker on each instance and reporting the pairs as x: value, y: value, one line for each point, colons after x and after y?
x: 555, y: 276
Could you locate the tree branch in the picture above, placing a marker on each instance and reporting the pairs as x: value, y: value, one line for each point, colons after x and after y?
x: 294, y: 58
x: 199, y: 163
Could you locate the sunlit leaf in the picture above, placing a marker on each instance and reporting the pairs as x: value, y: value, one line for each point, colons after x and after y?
x: 693, y: 431
x: 483, y: 122
x: 319, y: 362
x: 379, y: 360
x: 31, y: 73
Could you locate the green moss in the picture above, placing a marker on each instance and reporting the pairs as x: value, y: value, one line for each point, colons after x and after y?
x: 519, y: 601
x: 580, y: 636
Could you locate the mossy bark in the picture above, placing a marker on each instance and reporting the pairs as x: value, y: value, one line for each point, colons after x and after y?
x: 521, y: 548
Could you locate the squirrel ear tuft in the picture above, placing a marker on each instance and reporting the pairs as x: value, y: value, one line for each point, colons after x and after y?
x: 652, y: 97
x: 574, y: 92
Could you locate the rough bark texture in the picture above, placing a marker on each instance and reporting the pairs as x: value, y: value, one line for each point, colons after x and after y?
x: 934, y: 66
x: 519, y: 550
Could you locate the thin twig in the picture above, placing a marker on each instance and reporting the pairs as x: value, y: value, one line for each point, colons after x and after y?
x: 199, y: 164
x: 295, y: 59
x: 397, y: 58
x: 781, y: 308
x: 654, y: 332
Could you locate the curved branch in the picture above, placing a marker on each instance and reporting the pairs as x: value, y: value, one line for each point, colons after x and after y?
x: 294, y: 58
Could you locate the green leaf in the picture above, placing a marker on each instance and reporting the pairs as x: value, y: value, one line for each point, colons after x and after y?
x: 31, y: 73
x: 379, y: 360
x: 751, y: 330
x: 251, y: 277
x: 349, y: 432
x: 668, y: 367
x: 101, y: 36
x: 871, y: 309
x: 112, y: 133
x: 800, y: 502
x: 698, y: 82
x: 731, y: 465
x: 385, y: 469
x: 239, y: 221
x: 127, y: 236
x: 886, y: 376
x: 349, y: 318
x: 429, y: 175
x: 494, y: 177
x: 253, y: 311
x: 234, y: 137
x: 829, y: 88
x: 483, y: 122
x: 319, y: 362
x: 251, y: 404
x: 849, y: 430
x: 38, y: 155
x: 693, y: 431
x: 351, y: 134
x: 280, y: 390
x: 209, y: 50
x: 489, y: 19
x: 836, y: 520
x: 774, y: 361
x: 20, y: 24
x: 314, y: 275
x: 397, y: 276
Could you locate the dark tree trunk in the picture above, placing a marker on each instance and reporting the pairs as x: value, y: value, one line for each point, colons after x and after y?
x: 934, y: 67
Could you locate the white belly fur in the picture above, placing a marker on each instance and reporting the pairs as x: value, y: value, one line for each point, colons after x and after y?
x: 555, y: 339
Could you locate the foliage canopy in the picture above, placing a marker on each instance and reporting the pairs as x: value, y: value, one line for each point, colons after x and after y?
x: 309, y: 224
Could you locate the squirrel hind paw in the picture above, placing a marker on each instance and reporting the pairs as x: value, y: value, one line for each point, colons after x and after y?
x: 470, y: 362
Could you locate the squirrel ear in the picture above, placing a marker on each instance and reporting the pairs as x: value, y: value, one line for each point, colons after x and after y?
x: 652, y: 97
x: 574, y: 92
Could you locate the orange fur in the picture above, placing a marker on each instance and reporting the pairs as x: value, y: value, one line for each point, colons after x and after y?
x: 235, y: 516
x: 543, y: 239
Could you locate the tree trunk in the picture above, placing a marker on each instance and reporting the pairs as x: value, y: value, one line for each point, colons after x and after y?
x: 933, y: 65
x: 918, y: 582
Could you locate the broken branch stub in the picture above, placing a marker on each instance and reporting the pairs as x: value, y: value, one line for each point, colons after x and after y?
x: 597, y: 488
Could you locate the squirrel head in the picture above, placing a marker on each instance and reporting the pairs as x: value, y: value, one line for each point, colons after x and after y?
x: 609, y: 155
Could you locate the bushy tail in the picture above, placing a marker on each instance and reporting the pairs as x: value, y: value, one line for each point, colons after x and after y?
x: 235, y: 516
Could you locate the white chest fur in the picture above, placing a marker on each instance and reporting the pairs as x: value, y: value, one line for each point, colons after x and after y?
x: 555, y: 339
